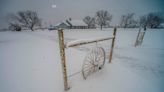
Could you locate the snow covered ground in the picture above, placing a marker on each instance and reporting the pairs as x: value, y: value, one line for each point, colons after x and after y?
x: 30, y: 62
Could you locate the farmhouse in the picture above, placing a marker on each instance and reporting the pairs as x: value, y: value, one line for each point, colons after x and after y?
x: 72, y: 24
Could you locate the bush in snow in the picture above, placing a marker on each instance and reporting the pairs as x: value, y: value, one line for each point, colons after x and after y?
x: 27, y: 19
x: 14, y: 27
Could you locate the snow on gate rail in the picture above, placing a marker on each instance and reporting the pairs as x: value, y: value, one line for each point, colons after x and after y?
x: 85, y: 41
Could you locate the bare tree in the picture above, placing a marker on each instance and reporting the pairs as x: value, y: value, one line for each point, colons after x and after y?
x: 14, y: 24
x: 154, y: 20
x: 151, y: 20
x: 128, y: 20
x: 27, y: 19
x: 89, y: 21
x: 143, y: 21
x: 103, y: 18
x: 123, y: 21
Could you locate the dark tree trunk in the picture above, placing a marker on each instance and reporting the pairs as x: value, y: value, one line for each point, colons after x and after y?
x: 32, y: 26
x: 32, y: 29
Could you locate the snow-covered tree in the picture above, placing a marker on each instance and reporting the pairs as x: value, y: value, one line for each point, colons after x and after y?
x: 27, y: 19
x: 128, y: 20
x: 154, y: 20
x: 151, y: 20
x: 103, y: 18
x: 14, y: 27
x: 89, y: 21
x: 143, y: 21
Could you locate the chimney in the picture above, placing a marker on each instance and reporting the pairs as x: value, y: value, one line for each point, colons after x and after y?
x: 70, y: 19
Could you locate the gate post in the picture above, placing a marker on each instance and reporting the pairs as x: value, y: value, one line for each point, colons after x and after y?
x: 112, y: 46
x: 63, y: 59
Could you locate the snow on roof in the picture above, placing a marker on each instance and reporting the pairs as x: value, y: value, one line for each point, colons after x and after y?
x: 61, y: 23
x: 77, y: 23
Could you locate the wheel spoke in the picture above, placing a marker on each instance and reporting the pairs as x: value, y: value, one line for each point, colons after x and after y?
x: 93, y: 61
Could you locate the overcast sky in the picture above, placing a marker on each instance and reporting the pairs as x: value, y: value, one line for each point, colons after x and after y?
x: 78, y: 9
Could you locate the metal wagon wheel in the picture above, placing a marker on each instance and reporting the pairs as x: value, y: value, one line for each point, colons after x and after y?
x: 94, y: 61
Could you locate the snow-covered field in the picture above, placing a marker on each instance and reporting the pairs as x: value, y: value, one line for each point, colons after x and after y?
x: 30, y: 62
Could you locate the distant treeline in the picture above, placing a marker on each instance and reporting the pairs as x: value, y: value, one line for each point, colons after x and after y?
x: 29, y: 20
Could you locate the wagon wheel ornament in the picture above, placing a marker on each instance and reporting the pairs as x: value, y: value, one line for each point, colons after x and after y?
x: 93, y: 62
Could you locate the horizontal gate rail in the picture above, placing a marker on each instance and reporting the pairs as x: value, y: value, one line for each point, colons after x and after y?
x: 83, y: 42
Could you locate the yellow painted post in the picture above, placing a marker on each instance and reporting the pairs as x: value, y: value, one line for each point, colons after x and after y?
x: 63, y: 59
x: 112, y: 46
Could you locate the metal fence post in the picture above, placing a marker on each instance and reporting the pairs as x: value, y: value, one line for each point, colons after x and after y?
x: 63, y: 59
x: 112, y: 46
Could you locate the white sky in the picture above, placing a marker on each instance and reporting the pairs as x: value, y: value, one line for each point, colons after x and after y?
x: 78, y: 9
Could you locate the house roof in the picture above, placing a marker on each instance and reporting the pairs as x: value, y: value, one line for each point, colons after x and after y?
x: 72, y: 23
x: 77, y: 22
